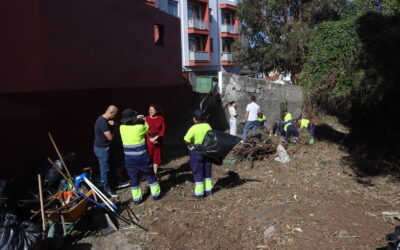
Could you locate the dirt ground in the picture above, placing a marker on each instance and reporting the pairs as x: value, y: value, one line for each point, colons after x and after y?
x: 316, y: 201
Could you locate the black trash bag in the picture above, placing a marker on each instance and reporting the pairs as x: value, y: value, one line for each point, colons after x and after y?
x: 217, y: 145
x: 15, y: 236
x: 3, y: 198
x: 3, y: 186
x: 51, y: 177
x: 393, y: 239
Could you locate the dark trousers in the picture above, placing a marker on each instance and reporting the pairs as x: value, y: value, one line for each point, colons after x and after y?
x: 311, y: 130
x: 201, y: 170
x: 277, y: 129
x: 135, y: 172
x: 291, y: 130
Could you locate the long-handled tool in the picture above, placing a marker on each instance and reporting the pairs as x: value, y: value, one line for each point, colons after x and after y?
x: 126, y: 220
x: 41, y: 205
x: 59, y: 155
x: 60, y: 172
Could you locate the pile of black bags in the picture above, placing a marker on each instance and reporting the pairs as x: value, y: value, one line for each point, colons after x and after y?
x: 15, y: 235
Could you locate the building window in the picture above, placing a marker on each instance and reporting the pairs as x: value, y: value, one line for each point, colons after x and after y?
x: 196, y: 43
x: 227, y: 45
x: 227, y: 18
x: 173, y: 7
x: 158, y: 35
x: 193, y: 11
x: 210, y: 10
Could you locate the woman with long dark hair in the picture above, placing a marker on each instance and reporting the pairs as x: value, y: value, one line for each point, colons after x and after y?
x: 233, y: 118
x: 156, y: 122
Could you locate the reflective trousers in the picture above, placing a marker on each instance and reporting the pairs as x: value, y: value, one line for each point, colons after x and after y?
x: 201, y: 170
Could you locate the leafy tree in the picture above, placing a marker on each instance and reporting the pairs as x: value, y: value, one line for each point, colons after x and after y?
x: 352, y: 71
x: 275, y: 33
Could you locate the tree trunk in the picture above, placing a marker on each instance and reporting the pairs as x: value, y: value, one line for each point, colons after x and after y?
x: 294, y: 71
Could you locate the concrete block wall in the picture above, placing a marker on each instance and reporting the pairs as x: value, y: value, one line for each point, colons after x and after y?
x: 269, y: 95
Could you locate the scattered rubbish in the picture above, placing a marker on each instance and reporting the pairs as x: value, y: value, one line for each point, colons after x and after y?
x: 268, y: 233
x: 370, y: 214
x: 344, y: 234
x: 393, y: 214
x: 283, y: 157
x: 297, y: 229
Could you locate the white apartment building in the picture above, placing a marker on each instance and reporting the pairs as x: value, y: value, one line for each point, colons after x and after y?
x: 208, y: 29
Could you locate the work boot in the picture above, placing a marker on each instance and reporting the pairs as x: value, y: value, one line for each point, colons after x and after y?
x: 122, y: 184
x: 197, y: 197
x: 111, y: 193
x: 156, y: 198
x: 137, y: 202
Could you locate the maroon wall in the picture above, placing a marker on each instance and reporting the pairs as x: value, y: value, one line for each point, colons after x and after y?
x: 63, y: 62
x: 75, y: 44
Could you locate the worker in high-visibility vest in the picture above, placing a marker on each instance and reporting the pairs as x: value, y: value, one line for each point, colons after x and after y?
x: 305, y: 123
x: 201, y: 168
x: 261, y: 119
x: 290, y: 130
x: 278, y: 128
x: 137, y: 160
x: 287, y: 117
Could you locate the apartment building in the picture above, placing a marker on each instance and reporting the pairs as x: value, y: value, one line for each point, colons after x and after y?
x: 208, y: 30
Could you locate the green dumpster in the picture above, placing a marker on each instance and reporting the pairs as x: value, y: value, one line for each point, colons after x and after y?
x: 204, y: 84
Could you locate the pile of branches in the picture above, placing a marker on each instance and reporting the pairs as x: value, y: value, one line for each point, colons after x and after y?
x: 255, y: 150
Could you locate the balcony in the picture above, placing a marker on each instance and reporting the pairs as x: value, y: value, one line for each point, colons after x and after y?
x: 198, y: 56
x: 230, y: 2
x: 199, y: 1
x: 227, y: 59
x: 228, y: 5
x: 197, y: 26
x: 231, y: 29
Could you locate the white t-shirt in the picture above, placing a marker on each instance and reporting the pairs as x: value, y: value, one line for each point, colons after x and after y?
x: 253, y: 110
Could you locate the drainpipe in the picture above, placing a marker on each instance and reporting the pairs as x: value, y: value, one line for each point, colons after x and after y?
x: 219, y: 37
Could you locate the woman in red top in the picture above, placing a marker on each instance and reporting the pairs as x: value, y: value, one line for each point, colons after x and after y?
x: 155, y: 134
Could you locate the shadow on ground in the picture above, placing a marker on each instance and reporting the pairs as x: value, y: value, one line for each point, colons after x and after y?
x: 176, y: 177
x: 232, y: 180
x: 365, y: 161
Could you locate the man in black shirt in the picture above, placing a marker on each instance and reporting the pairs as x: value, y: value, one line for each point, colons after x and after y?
x: 102, y: 142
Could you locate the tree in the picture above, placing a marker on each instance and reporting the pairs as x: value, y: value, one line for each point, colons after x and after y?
x: 275, y: 33
x: 352, y: 71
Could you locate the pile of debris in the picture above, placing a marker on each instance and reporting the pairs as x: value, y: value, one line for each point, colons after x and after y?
x: 255, y: 150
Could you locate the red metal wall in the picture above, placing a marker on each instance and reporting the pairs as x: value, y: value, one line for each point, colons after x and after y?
x: 75, y: 44
x: 63, y: 62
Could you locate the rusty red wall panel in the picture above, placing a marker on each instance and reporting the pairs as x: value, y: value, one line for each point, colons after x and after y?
x: 75, y: 44
x: 20, y: 45
x: 63, y: 62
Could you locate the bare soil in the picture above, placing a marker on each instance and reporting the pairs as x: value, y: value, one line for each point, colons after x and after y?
x: 316, y: 201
